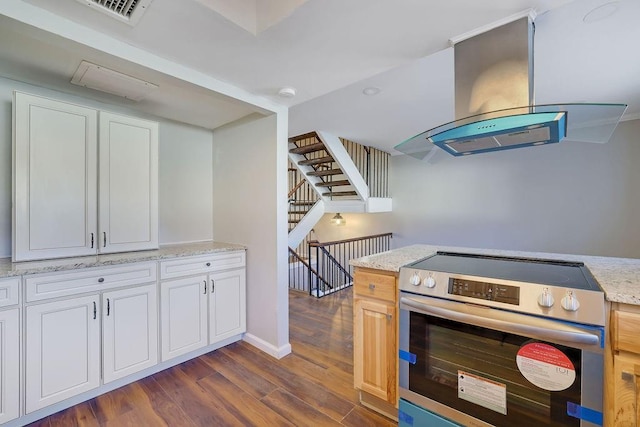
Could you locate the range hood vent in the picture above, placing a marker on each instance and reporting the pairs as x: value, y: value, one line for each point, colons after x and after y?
x: 494, y: 100
x: 129, y: 11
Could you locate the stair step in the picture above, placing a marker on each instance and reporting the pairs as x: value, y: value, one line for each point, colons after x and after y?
x: 309, y: 203
x: 311, y: 148
x: 319, y: 160
x: 294, y: 221
x: 298, y: 212
x: 340, y: 193
x: 326, y: 172
x: 333, y: 183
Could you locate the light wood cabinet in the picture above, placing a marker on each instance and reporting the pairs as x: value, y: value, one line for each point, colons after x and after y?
x: 623, y: 374
x: 83, y: 183
x: 9, y: 365
x: 201, y: 309
x: 375, y: 339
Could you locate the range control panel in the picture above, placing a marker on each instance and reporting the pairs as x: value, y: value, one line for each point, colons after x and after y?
x: 485, y: 291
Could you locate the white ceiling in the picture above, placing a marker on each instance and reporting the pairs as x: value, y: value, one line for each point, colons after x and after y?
x: 329, y: 50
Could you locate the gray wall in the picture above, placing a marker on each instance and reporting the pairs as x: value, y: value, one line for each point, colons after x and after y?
x: 185, y: 170
x: 570, y: 197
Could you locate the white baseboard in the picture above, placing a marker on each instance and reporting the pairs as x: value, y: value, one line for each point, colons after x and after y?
x: 268, y: 348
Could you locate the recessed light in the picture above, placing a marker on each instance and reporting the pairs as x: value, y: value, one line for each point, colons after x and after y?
x: 370, y: 91
x: 601, y: 12
x: 287, y: 92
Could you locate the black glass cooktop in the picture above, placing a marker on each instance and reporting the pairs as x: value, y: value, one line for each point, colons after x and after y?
x: 568, y: 274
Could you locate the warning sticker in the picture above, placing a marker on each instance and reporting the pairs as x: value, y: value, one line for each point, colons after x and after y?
x: 545, y: 366
x: 482, y: 391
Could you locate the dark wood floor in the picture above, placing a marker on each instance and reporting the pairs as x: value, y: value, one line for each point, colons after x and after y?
x: 239, y: 385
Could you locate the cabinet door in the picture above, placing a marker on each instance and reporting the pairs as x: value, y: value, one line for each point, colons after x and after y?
x: 627, y: 390
x: 183, y: 315
x: 55, y: 159
x: 9, y: 365
x: 129, y: 331
x: 62, y: 350
x: 374, y: 348
x: 128, y: 190
x: 227, y: 305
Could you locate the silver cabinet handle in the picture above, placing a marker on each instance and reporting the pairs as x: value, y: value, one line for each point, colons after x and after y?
x: 389, y: 316
x: 205, y: 287
x: 528, y: 326
x: 101, y: 279
x: 372, y: 286
x: 95, y: 310
x: 91, y: 240
x: 108, y: 306
x: 213, y: 285
x: 104, y: 234
x: 208, y: 264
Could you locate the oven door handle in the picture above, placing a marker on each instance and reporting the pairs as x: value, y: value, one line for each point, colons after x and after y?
x: 528, y: 326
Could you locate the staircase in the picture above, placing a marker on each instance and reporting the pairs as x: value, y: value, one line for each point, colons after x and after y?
x: 321, y: 165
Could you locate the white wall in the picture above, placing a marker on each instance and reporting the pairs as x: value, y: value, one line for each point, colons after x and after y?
x: 357, y: 225
x: 250, y: 202
x: 185, y: 171
x: 569, y: 197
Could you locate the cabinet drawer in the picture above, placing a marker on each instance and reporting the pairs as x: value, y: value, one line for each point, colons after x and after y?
x: 626, y: 327
x: 9, y: 291
x: 375, y: 285
x: 45, y: 286
x: 201, y: 264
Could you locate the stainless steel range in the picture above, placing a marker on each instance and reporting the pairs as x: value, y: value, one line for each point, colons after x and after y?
x: 487, y: 340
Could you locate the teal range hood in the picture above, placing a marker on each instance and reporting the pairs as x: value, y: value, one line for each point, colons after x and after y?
x: 502, y: 133
x: 494, y: 100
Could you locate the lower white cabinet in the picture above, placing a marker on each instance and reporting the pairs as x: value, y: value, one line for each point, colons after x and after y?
x: 62, y: 350
x: 63, y: 342
x: 9, y: 365
x: 201, y: 310
x: 129, y: 331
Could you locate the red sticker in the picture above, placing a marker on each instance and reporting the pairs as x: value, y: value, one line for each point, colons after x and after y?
x: 545, y: 366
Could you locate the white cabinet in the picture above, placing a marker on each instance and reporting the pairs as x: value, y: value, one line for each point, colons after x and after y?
x: 128, y: 216
x: 72, y: 343
x: 55, y: 179
x: 9, y: 365
x: 62, y: 350
x: 76, y: 194
x: 202, y: 303
x: 227, y: 299
x: 184, y: 315
x: 129, y: 331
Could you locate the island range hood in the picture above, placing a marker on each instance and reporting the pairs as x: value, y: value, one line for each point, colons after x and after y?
x: 494, y: 100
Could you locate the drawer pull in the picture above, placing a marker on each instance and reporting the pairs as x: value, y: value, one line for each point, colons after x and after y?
x: 372, y: 287
x: 389, y: 316
x: 100, y: 280
x: 208, y: 264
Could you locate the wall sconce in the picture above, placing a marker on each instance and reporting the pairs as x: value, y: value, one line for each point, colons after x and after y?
x: 338, y: 220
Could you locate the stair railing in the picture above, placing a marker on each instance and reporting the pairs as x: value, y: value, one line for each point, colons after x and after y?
x: 327, y: 268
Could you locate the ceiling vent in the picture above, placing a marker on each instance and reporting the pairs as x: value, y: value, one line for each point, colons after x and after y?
x: 129, y: 11
x: 103, y: 79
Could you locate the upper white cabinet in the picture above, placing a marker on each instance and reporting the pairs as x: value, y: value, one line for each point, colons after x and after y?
x: 81, y: 185
x: 128, y: 216
x: 55, y: 179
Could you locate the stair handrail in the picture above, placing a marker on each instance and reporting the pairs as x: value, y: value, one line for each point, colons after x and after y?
x: 308, y: 265
x: 353, y: 239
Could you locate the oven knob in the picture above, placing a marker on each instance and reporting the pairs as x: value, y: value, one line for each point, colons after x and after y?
x: 430, y: 282
x: 570, y: 302
x: 415, y: 279
x: 545, y: 299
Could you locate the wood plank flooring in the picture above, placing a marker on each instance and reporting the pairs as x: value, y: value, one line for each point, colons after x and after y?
x: 238, y: 385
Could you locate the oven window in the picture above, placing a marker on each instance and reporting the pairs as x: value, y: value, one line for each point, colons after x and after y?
x: 446, y: 350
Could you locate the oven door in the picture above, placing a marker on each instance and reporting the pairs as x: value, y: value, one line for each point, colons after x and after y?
x: 481, y: 366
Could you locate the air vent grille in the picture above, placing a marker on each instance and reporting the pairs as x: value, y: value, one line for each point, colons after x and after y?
x: 128, y: 11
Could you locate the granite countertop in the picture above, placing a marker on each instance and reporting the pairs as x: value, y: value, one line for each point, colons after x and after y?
x: 618, y: 277
x: 9, y: 269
